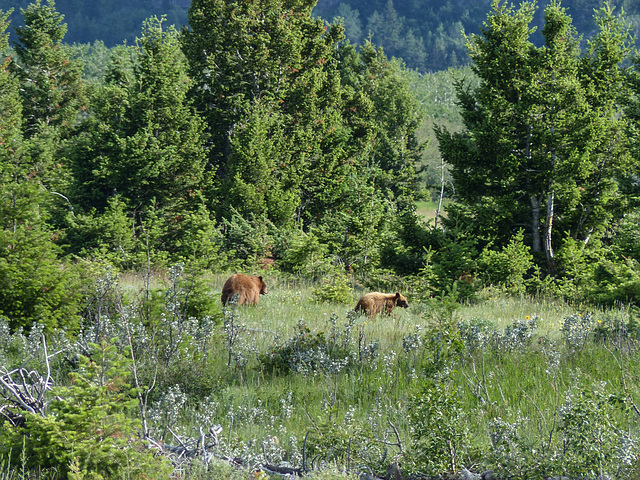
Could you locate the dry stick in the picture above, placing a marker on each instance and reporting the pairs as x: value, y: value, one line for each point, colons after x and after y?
x: 185, y: 449
x: 142, y: 402
x: 46, y: 359
x: 204, y: 448
x: 304, y: 452
x: 391, y: 444
x: 477, y: 386
x: 313, y: 422
x: 555, y: 418
x: 395, y: 431
x: 17, y: 396
x: 23, y: 395
x: 441, y: 192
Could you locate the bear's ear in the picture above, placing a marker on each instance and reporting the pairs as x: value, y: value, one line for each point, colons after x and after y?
x: 260, y: 278
x: 397, y: 294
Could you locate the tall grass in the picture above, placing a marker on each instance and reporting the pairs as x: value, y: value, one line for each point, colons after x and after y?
x: 356, y: 413
x: 529, y: 382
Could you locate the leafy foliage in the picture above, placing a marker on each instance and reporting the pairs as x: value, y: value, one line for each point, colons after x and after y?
x: 436, y: 415
x: 309, y: 353
x: 52, y: 92
x: 260, y: 138
x: 35, y: 286
x: 88, y: 430
x: 508, y: 267
x: 334, y: 288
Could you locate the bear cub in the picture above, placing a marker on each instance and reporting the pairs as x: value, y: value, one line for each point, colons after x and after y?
x: 375, y: 302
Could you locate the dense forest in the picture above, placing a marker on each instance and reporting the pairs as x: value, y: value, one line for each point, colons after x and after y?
x: 261, y: 139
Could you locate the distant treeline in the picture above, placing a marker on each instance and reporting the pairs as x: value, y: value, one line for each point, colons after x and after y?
x: 426, y: 34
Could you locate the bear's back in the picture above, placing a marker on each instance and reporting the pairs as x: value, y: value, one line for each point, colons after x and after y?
x: 247, y: 288
x: 376, y: 302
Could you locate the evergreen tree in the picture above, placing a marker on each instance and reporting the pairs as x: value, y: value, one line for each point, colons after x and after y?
x: 34, y: 285
x: 395, y: 119
x: 144, y: 144
x: 543, y: 144
x: 52, y: 94
x: 261, y: 69
x: 304, y: 128
x: 51, y: 86
x: 604, y: 75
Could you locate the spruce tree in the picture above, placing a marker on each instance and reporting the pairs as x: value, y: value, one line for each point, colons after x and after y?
x: 543, y: 145
x: 34, y: 285
x: 144, y: 145
x: 263, y: 78
x: 51, y: 90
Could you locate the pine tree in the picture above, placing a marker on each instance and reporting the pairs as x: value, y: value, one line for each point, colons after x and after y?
x: 262, y: 69
x: 52, y: 92
x: 543, y: 144
x: 34, y: 285
x: 145, y: 144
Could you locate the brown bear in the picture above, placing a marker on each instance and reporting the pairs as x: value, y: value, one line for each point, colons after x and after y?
x: 248, y: 289
x: 375, y: 302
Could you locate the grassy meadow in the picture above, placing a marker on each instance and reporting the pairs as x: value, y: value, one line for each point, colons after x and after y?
x: 510, y: 376
x: 526, y: 387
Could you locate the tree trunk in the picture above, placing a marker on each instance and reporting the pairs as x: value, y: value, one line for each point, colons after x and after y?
x: 441, y: 191
x: 548, y: 232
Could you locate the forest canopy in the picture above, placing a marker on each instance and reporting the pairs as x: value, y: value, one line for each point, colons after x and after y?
x: 426, y: 35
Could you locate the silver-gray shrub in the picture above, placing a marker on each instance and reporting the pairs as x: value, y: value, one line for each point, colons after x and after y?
x: 476, y: 334
x: 576, y: 330
x: 515, y: 336
x: 506, y: 443
x: 240, y: 348
x: 168, y: 410
x: 310, y: 353
x: 595, y: 431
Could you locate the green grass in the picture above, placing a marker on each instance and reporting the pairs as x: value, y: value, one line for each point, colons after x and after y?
x: 428, y: 209
x: 518, y: 384
x: 347, y: 415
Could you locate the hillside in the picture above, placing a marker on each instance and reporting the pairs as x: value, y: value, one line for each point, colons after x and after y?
x: 426, y: 34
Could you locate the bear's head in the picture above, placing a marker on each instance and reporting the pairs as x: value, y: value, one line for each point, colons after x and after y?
x: 401, y: 301
x: 263, y: 286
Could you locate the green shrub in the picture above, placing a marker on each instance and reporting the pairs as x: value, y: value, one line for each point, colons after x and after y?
x: 615, y: 281
x: 334, y: 288
x: 508, y: 267
x: 438, y: 426
x: 35, y: 285
x: 104, y: 236
x: 438, y: 429
x: 454, y: 262
x: 87, y: 431
x: 618, y: 328
x: 576, y: 330
x: 308, y: 352
x: 514, y: 455
x: 594, y: 442
x: 249, y: 240
x: 217, y: 470
x: 597, y: 275
x: 306, y: 256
